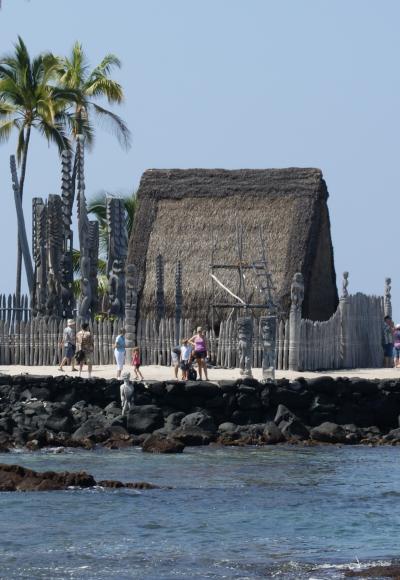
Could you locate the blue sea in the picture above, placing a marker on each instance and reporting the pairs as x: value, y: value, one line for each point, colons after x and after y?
x: 244, y: 513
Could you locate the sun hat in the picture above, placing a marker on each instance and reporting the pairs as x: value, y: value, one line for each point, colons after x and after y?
x: 70, y: 321
x: 397, y: 327
x: 199, y: 329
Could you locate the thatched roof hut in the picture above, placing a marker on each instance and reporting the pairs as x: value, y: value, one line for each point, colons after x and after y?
x: 180, y: 211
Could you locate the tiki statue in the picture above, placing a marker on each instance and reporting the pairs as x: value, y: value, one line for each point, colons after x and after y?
x: 297, y: 291
x: 245, y: 338
x: 268, y: 336
x: 116, y: 289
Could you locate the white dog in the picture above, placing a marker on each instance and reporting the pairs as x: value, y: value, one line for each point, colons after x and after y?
x: 127, y: 392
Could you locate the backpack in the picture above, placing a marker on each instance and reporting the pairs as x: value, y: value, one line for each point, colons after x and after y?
x: 192, y: 374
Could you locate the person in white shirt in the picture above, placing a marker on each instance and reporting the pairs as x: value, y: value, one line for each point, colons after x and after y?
x: 68, y: 344
x: 185, y: 358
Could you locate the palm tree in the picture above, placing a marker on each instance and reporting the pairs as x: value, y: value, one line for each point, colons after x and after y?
x: 74, y: 73
x: 29, y: 99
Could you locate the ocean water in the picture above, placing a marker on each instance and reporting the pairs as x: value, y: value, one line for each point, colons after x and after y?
x: 243, y: 513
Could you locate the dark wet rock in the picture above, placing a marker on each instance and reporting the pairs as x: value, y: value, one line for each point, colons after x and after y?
x: 381, y: 572
x: 248, y: 381
x: 272, y: 434
x: 199, y: 420
x: 294, y: 395
x: 283, y: 414
x: 203, y: 389
x: 193, y: 436
x: 18, y: 478
x: 158, y: 443
x: 157, y: 388
x: 228, y: 386
x: 293, y: 429
x: 173, y: 420
x: 323, y: 385
x: 227, y: 428
x: 248, y: 399
x: 144, y: 419
x: 6, y: 424
x: 329, y: 433
x: 91, y: 427
x: 57, y: 423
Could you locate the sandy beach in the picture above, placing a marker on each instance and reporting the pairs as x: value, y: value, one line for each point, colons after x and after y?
x: 161, y: 373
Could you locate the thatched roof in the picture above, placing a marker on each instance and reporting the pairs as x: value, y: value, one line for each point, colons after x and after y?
x: 179, y: 211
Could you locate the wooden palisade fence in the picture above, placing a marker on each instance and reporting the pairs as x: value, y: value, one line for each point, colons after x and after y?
x: 351, y: 338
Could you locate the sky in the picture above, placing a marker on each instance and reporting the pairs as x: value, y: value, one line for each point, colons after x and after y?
x: 236, y: 84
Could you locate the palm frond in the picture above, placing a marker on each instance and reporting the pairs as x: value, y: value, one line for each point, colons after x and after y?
x: 6, y: 127
x: 114, y: 123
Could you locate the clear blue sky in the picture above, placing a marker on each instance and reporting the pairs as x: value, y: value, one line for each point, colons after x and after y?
x: 234, y: 84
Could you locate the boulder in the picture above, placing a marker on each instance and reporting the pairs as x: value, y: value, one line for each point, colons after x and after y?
x: 272, y: 434
x: 17, y: 478
x: 173, y: 420
x: 193, y: 436
x: 227, y: 428
x: 57, y: 423
x: 203, y: 389
x: 91, y: 428
x: 158, y: 443
x: 200, y: 420
x: 144, y: 419
x: 329, y: 433
x: 293, y: 429
x: 293, y: 395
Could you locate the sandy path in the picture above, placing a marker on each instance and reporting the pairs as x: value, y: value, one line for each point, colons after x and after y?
x: 162, y: 373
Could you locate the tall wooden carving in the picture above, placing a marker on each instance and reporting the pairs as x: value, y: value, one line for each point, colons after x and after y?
x: 67, y: 274
x: 54, y: 255
x: 297, y: 296
x: 245, y: 344
x: 39, y: 236
x: 85, y: 307
x: 130, y: 305
x: 268, y: 337
x: 117, y: 252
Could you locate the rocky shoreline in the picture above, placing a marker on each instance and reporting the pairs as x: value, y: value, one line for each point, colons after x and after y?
x: 65, y: 411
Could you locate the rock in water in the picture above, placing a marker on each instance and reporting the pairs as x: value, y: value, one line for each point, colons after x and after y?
x: 158, y: 443
x: 18, y: 478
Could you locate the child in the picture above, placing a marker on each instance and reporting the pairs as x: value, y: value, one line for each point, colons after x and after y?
x: 136, y: 362
x: 186, y: 353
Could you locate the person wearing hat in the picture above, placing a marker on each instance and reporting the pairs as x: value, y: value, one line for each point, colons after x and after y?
x: 396, y: 346
x: 68, y: 344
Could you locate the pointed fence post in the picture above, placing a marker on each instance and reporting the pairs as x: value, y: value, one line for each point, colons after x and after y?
x: 388, y: 297
x: 297, y: 295
x: 345, y: 354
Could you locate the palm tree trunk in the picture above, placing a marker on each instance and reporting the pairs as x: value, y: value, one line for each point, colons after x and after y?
x: 21, y: 192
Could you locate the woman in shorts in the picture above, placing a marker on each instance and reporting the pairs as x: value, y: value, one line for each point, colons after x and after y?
x: 198, y: 341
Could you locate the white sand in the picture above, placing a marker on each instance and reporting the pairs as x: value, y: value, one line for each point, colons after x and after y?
x: 161, y: 373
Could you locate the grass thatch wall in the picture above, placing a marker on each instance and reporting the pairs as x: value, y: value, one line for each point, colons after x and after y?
x: 180, y: 210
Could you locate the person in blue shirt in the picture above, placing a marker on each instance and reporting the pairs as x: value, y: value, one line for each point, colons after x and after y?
x: 119, y: 351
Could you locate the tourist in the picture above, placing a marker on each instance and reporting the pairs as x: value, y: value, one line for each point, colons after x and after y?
x: 68, y: 344
x: 119, y: 351
x: 84, y: 346
x: 175, y: 356
x: 396, y: 346
x: 388, y: 342
x: 185, y: 358
x: 136, y: 362
x: 198, y: 341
